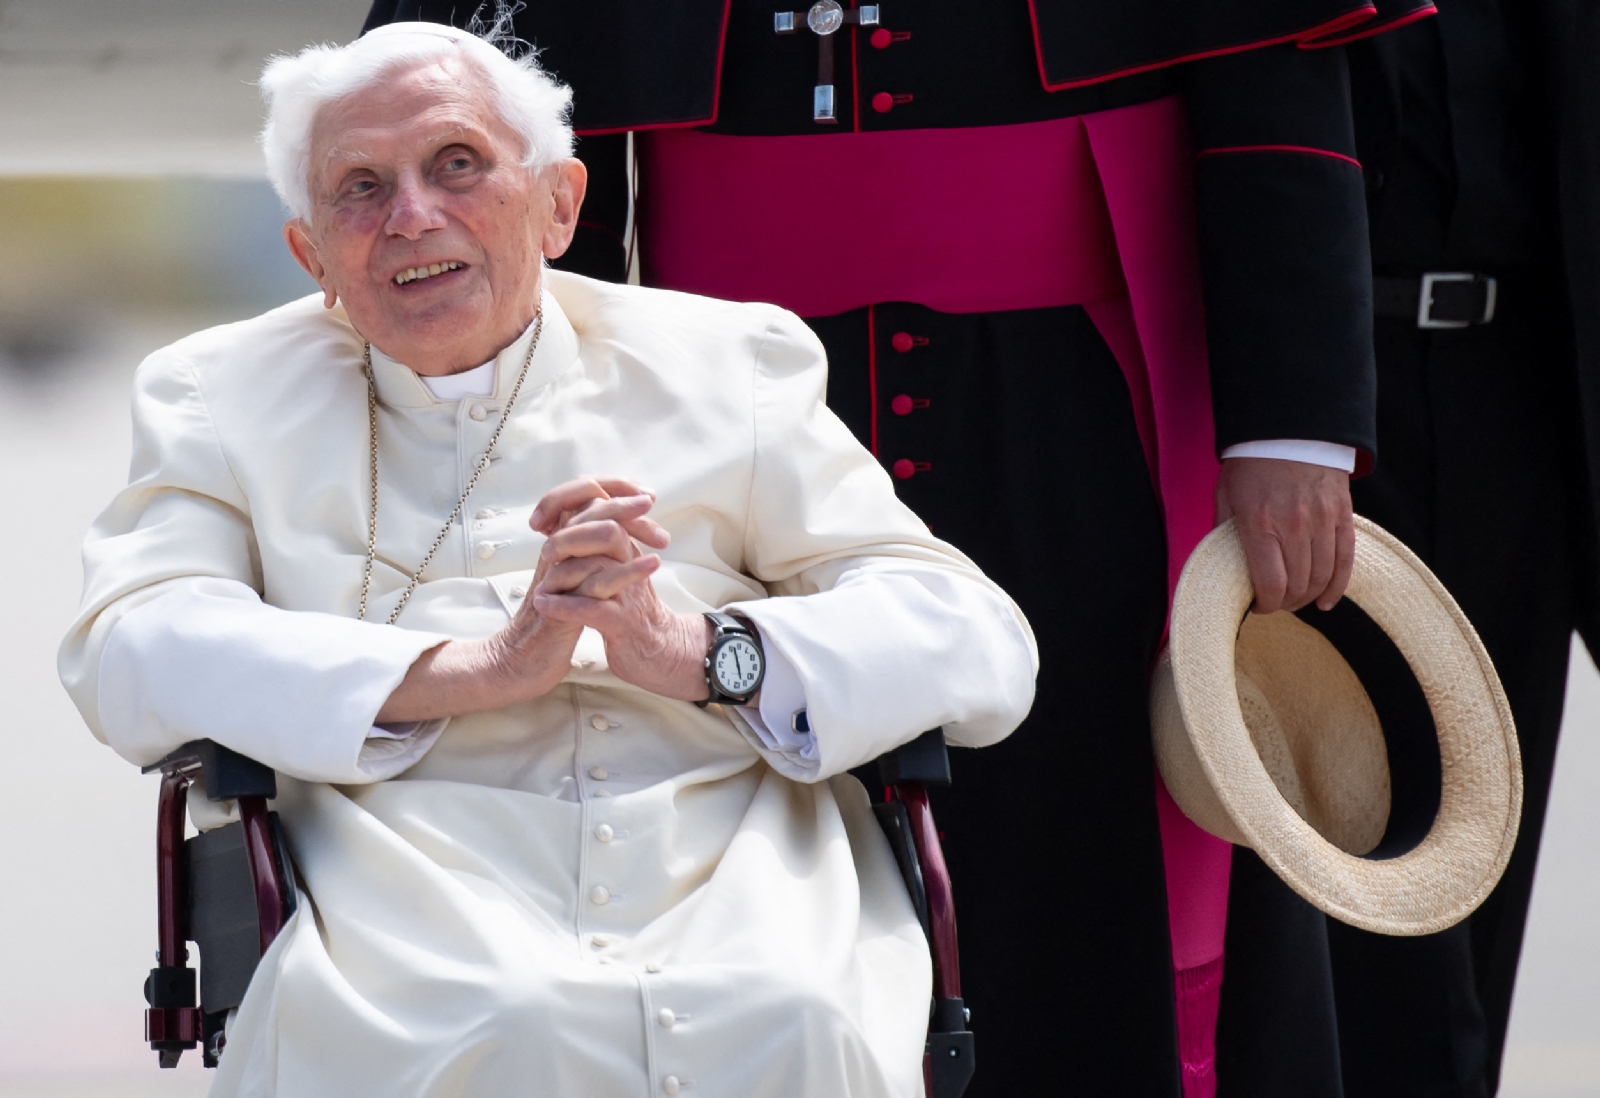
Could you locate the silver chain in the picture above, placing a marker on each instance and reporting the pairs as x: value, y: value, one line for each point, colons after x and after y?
x: 483, y: 463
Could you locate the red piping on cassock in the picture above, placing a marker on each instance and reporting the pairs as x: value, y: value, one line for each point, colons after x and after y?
x: 1302, y: 149
x: 1333, y: 26
x: 716, y: 92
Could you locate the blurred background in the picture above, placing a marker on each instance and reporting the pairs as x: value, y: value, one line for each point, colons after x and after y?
x: 133, y: 211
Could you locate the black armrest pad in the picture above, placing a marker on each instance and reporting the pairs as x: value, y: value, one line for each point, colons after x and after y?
x: 925, y: 759
x: 228, y: 774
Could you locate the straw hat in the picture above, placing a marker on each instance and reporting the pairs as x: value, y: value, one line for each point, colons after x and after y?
x: 1265, y: 737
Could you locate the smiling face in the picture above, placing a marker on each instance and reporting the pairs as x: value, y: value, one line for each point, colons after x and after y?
x: 424, y: 221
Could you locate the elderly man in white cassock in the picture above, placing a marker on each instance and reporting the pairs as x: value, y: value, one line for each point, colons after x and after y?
x: 561, y: 608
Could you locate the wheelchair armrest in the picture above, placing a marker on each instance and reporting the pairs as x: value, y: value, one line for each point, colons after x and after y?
x: 925, y: 759
x: 194, y: 896
x: 907, y: 820
x: 228, y: 774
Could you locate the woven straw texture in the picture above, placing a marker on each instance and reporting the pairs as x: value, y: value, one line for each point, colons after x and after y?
x: 1317, y: 739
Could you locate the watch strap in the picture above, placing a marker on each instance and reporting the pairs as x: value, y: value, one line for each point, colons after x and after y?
x: 727, y: 623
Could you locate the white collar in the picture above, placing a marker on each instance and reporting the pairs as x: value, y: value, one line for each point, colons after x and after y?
x: 476, y: 382
x: 399, y: 387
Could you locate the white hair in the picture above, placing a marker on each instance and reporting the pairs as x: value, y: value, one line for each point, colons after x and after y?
x: 297, y: 88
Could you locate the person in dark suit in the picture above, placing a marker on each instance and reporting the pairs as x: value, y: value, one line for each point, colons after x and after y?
x: 1479, y: 133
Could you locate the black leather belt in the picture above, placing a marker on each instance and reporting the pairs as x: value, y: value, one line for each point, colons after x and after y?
x: 1453, y: 299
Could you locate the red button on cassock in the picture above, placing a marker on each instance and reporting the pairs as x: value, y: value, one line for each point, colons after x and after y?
x: 905, y: 469
x: 883, y: 102
x: 901, y: 405
x: 881, y: 39
x: 901, y: 341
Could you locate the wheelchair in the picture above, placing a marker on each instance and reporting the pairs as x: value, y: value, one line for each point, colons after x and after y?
x: 231, y: 889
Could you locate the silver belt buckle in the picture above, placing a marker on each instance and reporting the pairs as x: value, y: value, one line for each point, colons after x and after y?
x: 1425, y: 318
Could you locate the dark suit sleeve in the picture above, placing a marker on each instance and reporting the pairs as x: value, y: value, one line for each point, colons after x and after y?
x: 1283, y: 248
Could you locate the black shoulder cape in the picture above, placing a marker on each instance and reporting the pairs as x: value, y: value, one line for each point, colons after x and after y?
x: 672, y: 49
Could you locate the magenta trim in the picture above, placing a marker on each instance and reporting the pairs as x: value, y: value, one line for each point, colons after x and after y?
x: 1305, y: 149
x: 1367, y: 31
x: 1146, y: 163
x: 1199, y: 995
x: 1332, y: 26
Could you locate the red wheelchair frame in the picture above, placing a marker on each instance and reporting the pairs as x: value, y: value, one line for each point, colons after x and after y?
x: 230, y: 890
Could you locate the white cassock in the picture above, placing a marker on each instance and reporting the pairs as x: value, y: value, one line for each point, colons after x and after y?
x: 601, y: 892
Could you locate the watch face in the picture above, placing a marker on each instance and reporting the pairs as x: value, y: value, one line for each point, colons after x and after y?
x: 737, y: 666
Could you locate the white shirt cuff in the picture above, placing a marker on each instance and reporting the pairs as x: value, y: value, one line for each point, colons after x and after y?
x: 782, y: 696
x: 391, y: 748
x: 1309, y: 451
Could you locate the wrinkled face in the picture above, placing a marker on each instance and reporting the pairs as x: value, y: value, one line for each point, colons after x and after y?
x: 425, y: 223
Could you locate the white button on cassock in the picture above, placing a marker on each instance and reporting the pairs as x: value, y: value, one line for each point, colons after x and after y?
x: 599, y: 723
x: 599, y: 773
x: 518, y: 592
x: 486, y: 550
x: 604, y: 833
x: 477, y: 412
x: 666, y: 1017
x: 600, y: 894
x: 671, y: 1085
x: 652, y: 967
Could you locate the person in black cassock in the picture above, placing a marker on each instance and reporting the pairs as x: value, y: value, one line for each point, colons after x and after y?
x: 1480, y: 135
x: 998, y: 217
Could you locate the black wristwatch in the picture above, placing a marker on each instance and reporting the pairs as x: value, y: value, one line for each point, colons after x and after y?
x: 734, y: 664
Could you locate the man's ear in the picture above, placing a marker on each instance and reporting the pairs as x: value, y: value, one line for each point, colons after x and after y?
x: 295, y: 235
x: 571, y: 182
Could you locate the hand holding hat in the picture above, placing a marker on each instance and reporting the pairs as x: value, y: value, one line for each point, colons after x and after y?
x: 1265, y: 737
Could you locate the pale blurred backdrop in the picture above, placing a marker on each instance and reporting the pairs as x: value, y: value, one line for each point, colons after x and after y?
x: 132, y: 211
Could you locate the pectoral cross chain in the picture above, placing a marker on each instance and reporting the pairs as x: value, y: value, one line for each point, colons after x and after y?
x: 824, y: 20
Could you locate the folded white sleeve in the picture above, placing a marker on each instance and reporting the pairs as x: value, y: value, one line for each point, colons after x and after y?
x: 892, y: 649
x: 296, y: 690
x: 1310, y: 451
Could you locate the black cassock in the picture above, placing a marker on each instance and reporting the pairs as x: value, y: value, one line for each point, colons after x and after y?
x: 1480, y: 132
x: 1017, y: 443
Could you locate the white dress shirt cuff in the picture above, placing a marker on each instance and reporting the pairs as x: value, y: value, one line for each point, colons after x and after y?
x: 392, y: 748
x: 772, y: 720
x: 1310, y: 451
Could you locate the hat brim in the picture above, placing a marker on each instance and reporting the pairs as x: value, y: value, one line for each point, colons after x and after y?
x: 1455, y: 866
